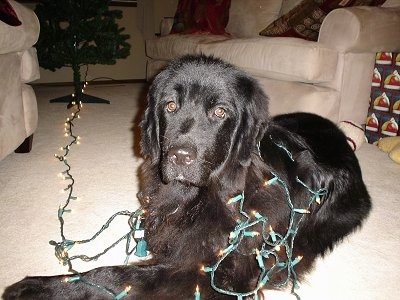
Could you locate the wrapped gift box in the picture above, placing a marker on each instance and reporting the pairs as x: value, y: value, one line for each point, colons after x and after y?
x: 383, y: 117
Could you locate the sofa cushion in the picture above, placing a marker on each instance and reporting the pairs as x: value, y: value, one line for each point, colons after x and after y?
x: 305, y: 19
x: 16, y: 38
x: 278, y: 58
x: 249, y: 19
x: 29, y: 65
x: 173, y: 45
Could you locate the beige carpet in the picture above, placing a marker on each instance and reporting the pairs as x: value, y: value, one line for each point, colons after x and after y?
x: 104, y: 165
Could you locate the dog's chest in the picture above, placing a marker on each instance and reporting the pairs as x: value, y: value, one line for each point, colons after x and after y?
x: 196, y: 228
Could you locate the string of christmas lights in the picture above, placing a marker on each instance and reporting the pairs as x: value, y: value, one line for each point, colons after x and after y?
x: 272, y: 241
x: 62, y: 248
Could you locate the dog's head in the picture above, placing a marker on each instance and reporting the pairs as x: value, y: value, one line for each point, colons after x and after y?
x: 202, y: 114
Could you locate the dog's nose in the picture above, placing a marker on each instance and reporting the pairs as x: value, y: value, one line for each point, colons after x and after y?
x: 181, y: 155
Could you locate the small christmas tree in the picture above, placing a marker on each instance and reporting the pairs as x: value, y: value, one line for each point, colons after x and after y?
x: 79, y: 32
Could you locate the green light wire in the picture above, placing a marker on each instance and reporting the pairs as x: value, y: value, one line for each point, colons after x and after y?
x: 268, y: 248
x: 271, y: 241
x: 62, y: 248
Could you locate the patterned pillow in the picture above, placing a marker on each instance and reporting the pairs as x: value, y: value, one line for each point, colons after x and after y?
x: 7, y: 14
x: 197, y: 16
x: 304, y: 20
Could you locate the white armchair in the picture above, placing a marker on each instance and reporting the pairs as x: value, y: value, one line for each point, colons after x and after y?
x: 18, y: 65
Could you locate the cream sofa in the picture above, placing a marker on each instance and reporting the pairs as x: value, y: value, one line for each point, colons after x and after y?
x: 330, y: 77
x: 18, y: 65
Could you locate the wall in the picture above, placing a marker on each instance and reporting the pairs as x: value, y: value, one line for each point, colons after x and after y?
x: 152, y: 12
x: 163, y: 8
x: 133, y: 67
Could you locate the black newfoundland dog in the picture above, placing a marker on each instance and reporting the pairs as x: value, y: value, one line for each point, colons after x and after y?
x: 234, y: 201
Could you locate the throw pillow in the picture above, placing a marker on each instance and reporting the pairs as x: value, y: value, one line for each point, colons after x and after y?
x: 305, y: 19
x: 7, y: 14
x: 196, y: 16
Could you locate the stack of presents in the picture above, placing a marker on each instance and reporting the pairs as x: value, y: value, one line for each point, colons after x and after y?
x: 383, y: 118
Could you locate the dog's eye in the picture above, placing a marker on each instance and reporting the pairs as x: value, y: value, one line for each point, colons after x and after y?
x: 171, y: 106
x: 220, y: 112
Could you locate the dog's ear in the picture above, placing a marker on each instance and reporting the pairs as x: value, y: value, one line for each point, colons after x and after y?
x: 150, y: 142
x: 254, y: 118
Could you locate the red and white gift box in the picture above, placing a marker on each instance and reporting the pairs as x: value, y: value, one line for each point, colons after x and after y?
x: 383, y: 117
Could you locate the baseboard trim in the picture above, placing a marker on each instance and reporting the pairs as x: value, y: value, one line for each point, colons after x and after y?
x: 92, y: 82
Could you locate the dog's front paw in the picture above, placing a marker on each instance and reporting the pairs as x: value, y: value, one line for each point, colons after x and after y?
x: 28, y: 288
x: 57, y: 288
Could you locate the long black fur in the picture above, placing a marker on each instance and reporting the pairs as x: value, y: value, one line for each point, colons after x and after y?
x: 221, y: 119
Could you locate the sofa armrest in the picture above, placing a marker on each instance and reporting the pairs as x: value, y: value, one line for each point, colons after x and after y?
x: 22, y: 37
x: 362, y: 29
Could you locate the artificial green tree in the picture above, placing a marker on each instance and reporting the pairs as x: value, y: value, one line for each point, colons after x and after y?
x: 74, y: 33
